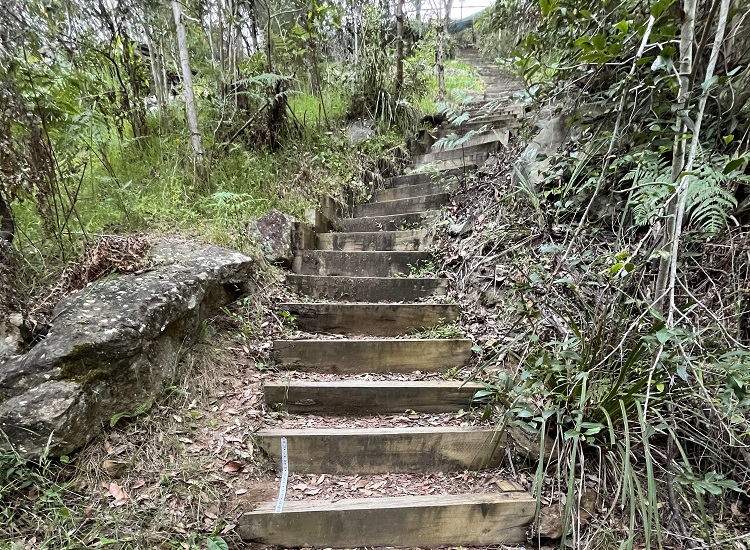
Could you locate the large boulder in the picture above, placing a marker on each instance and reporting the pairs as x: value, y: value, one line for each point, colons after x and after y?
x: 112, y: 345
x: 273, y: 233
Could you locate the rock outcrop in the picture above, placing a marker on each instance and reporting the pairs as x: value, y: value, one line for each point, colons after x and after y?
x: 112, y: 346
x: 11, y: 339
x: 273, y: 233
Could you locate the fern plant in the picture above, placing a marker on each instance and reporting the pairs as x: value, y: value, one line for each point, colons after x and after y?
x: 709, y: 200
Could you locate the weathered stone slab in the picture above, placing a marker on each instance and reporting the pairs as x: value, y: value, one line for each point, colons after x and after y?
x: 273, y: 233
x: 112, y: 345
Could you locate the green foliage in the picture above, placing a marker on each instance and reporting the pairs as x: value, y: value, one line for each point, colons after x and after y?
x: 441, y: 331
x: 709, y: 199
x: 610, y: 387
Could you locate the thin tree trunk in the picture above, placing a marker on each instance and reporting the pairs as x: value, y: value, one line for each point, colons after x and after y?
x: 254, y: 25
x: 7, y: 225
x: 187, y: 80
x: 687, y: 35
x: 682, y: 189
x: 399, y: 47
x: 442, y: 39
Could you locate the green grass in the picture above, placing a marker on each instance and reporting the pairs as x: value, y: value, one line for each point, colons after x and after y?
x: 461, y: 81
x: 150, y: 186
x: 312, y: 110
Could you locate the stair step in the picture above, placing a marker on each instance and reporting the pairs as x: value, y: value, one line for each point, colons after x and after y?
x: 446, y: 185
x: 371, y: 319
x: 367, y: 397
x: 427, y: 177
x: 367, y: 289
x: 359, y: 264
x: 409, y: 521
x: 458, y: 152
x: 477, y: 159
x: 372, y: 355
x: 392, y: 222
x: 415, y: 239
x: 385, y: 450
x: 402, y: 206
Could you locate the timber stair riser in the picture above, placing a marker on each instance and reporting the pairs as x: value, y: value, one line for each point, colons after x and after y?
x: 478, y: 158
x: 375, y: 241
x: 359, y: 264
x: 362, y: 398
x: 397, y: 222
x: 458, y: 152
x: 414, y: 191
x: 414, y: 521
x: 369, y: 319
x: 402, y: 206
x: 360, y: 356
x: 407, y: 180
x: 367, y: 289
x: 348, y: 451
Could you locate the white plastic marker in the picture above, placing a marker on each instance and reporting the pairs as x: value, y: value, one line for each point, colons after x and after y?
x: 284, y: 476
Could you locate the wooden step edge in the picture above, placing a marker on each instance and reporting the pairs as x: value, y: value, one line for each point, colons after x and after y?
x: 405, y: 521
x: 340, y: 384
x: 367, y: 397
x: 379, y: 432
x: 366, y: 341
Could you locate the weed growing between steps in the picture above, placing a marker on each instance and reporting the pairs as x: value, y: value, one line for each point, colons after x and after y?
x: 644, y: 430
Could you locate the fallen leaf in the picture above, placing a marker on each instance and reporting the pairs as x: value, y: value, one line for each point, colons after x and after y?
x: 233, y: 467
x: 118, y: 493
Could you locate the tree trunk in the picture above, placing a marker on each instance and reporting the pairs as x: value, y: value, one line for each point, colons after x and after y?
x: 187, y: 80
x: 399, y: 47
x: 442, y: 31
x: 418, y: 10
x: 7, y: 225
x: 681, y: 191
x: 687, y: 35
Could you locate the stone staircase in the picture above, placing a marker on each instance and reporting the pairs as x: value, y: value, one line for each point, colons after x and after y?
x: 361, y: 280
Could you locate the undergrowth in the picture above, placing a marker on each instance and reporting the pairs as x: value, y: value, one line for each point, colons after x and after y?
x: 654, y: 422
